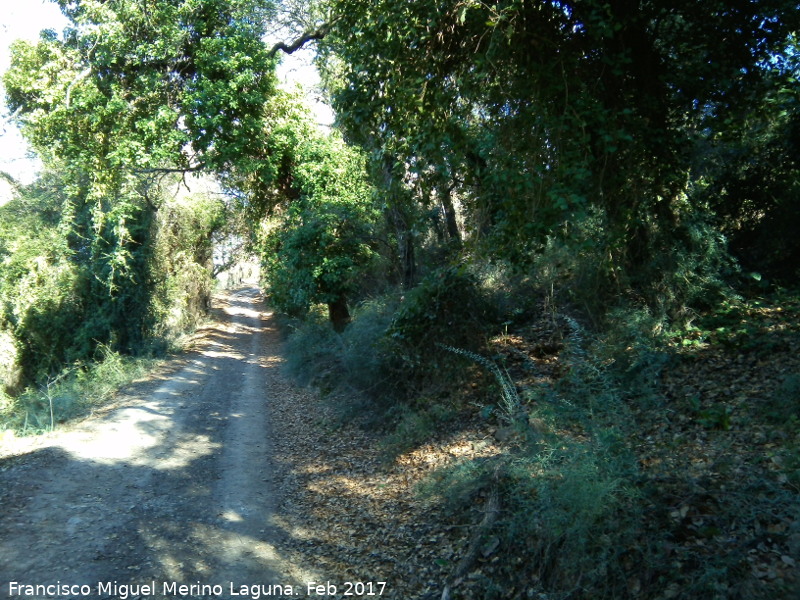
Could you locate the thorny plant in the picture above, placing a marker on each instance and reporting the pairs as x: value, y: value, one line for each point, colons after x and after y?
x: 510, y: 402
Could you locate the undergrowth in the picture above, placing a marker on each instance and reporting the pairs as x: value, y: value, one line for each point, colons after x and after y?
x: 71, y: 394
x: 388, y: 368
x: 566, y: 479
x: 580, y: 517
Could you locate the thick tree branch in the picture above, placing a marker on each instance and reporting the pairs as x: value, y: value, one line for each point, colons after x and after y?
x: 308, y: 36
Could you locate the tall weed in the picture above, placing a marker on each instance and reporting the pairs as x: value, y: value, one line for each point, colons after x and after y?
x: 72, y: 393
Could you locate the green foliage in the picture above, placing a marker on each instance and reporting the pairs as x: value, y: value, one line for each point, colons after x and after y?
x: 40, y: 286
x: 749, y: 168
x: 366, y: 364
x: 355, y: 366
x: 447, y: 307
x: 572, y: 511
x: 567, y: 486
x: 633, y: 344
x: 180, y: 267
x: 715, y: 416
x: 128, y: 94
x: 322, y: 244
x: 748, y: 325
x: 130, y: 84
x: 576, y: 265
x: 585, y: 156
x: 414, y: 427
x: 313, y: 350
x: 591, y: 146
x: 367, y: 380
x: 782, y: 408
x: 70, y: 394
x: 59, y: 302
x: 509, y: 404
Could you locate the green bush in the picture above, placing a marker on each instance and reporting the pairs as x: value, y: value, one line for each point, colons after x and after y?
x: 180, y: 264
x: 412, y: 427
x: 321, y: 246
x: 42, y: 290
x: 143, y: 280
x: 570, y: 509
x: 365, y: 360
x: 393, y: 346
x: 632, y: 344
x: 313, y: 350
x: 447, y: 307
x: 352, y: 366
x: 360, y: 370
x: 669, y: 272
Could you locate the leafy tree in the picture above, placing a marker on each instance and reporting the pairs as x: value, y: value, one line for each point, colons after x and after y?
x: 324, y: 239
x: 314, y: 210
x: 747, y: 168
x: 130, y: 93
x: 138, y: 86
x: 536, y: 114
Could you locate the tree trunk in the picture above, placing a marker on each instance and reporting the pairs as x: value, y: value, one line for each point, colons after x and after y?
x: 408, y: 258
x: 402, y: 225
x: 339, y: 314
x: 451, y: 225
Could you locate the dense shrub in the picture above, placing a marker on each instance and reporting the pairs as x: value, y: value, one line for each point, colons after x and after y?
x: 313, y: 349
x: 41, y: 289
x: 447, y: 307
x: 393, y: 349
x: 353, y: 366
x: 147, y: 277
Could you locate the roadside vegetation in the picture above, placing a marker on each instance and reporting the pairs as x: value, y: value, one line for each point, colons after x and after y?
x: 67, y: 345
x: 566, y: 227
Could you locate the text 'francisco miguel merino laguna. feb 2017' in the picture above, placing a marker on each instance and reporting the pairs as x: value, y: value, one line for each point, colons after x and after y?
x: 123, y: 591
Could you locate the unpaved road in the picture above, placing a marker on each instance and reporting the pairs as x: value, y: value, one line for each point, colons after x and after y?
x: 173, y: 486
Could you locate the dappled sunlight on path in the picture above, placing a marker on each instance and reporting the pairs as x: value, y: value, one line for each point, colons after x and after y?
x: 175, y: 483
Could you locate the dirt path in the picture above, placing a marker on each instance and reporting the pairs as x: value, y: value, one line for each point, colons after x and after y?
x: 174, y: 485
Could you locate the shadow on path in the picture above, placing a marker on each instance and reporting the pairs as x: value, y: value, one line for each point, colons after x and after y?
x: 174, y: 486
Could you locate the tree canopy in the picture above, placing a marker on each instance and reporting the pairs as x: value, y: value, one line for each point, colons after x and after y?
x: 636, y: 133
x: 136, y: 86
x: 131, y: 94
x: 535, y: 111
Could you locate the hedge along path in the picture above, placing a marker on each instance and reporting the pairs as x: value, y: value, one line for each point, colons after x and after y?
x: 173, y: 483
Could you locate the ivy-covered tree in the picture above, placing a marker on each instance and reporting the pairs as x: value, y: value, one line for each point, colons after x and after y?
x: 50, y: 312
x: 535, y: 114
x: 130, y: 93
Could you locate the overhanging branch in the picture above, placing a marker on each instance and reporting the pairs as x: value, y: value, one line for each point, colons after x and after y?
x: 308, y: 36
